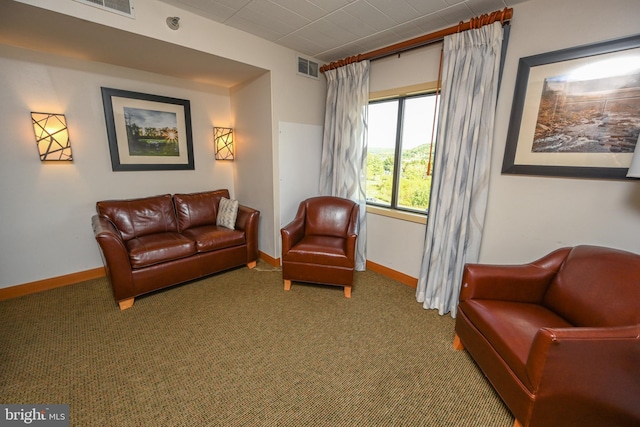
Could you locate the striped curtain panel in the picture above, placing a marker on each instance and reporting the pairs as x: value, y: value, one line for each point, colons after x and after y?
x: 344, y: 143
x: 470, y: 77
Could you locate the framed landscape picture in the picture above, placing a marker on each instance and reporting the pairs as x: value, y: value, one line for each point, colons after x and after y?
x: 147, y: 132
x: 576, y: 112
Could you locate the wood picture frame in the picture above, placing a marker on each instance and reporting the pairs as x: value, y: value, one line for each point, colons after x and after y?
x: 569, y: 123
x: 147, y: 132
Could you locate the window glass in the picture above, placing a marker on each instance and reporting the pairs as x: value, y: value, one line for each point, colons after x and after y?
x: 400, y: 152
x: 416, y: 153
x: 381, y: 146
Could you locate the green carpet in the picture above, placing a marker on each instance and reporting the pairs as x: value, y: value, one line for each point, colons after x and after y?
x: 235, y: 349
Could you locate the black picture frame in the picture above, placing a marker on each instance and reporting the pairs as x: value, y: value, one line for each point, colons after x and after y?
x: 527, y: 115
x: 147, y: 132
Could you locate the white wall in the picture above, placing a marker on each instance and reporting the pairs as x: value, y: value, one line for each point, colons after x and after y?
x: 528, y: 216
x: 46, y: 208
x: 45, y: 228
x: 251, y: 108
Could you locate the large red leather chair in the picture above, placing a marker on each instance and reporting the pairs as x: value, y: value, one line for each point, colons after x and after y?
x: 559, y: 338
x: 319, y: 245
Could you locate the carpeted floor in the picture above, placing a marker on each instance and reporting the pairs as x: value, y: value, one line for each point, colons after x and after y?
x: 235, y: 349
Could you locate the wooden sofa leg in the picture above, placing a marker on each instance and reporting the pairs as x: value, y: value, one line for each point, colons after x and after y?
x: 516, y: 423
x: 287, y: 285
x: 126, y: 303
x: 347, y: 291
x: 457, y: 345
x: 252, y: 264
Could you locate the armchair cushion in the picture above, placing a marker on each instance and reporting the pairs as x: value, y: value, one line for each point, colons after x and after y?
x: 325, y: 250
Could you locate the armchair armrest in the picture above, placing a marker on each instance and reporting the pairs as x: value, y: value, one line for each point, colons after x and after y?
x: 522, y: 283
x: 596, y: 366
x: 248, y: 220
x: 292, y: 233
x: 115, y: 257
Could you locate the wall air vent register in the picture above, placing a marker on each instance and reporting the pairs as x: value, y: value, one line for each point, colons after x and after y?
x: 121, y: 7
x: 307, y: 67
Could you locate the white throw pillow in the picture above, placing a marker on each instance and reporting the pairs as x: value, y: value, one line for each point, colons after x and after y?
x: 227, y: 213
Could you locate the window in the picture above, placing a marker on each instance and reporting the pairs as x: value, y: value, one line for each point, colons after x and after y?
x: 400, y: 152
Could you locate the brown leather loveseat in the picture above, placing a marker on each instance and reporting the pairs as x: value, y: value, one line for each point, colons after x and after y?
x: 559, y: 338
x: 154, y: 242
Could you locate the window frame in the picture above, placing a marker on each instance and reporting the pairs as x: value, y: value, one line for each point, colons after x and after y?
x: 393, y: 210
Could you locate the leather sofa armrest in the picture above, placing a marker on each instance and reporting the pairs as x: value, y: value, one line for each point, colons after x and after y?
x: 248, y: 220
x: 521, y: 283
x: 585, y: 362
x: 292, y: 233
x: 115, y: 257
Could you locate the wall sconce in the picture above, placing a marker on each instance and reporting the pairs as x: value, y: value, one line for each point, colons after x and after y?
x: 52, y: 136
x: 634, y: 167
x: 223, y: 143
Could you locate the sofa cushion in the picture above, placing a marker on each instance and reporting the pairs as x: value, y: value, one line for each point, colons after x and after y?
x: 156, y: 248
x: 227, y: 213
x: 211, y: 237
x: 323, y: 250
x: 198, y: 209
x: 592, y: 288
x: 510, y: 327
x: 140, y: 217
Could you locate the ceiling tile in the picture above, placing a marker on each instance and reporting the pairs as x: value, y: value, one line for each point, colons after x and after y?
x: 369, y: 16
x: 398, y: 10
x: 273, y: 15
x: 356, y: 27
x: 264, y: 31
x: 303, y: 45
x: 324, y: 27
x: 303, y: 8
x: 429, y: 23
x: 479, y: 7
x: 454, y: 14
x: 331, y: 5
x: 426, y: 7
x: 407, y: 31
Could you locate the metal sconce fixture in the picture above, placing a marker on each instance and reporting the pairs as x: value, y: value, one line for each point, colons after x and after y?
x: 223, y: 143
x: 52, y: 136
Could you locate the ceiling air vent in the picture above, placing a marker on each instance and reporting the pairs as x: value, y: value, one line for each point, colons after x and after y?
x: 308, y: 68
x: 121, y: 7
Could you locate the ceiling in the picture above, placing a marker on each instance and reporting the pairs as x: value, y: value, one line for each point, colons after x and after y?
x: 334, y: 29
x: 327, y: 30
x: 42, y: 30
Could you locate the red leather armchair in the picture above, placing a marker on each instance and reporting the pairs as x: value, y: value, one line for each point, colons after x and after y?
x: 559, y: 338
x: 319, y: 245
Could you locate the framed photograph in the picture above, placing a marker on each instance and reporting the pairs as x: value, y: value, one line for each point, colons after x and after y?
x: 147, y: 132
x: 576, y: 112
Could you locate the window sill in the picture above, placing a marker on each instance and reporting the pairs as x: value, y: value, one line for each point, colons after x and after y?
x: 393, y: 213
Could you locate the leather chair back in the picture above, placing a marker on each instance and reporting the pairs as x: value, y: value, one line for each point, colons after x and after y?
x: 328, y: 216
x: 592, y: 278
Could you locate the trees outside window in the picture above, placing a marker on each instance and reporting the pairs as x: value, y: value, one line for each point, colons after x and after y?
x: 401, y: 151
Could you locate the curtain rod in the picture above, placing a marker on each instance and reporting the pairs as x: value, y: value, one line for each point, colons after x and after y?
x: 477, y: 22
